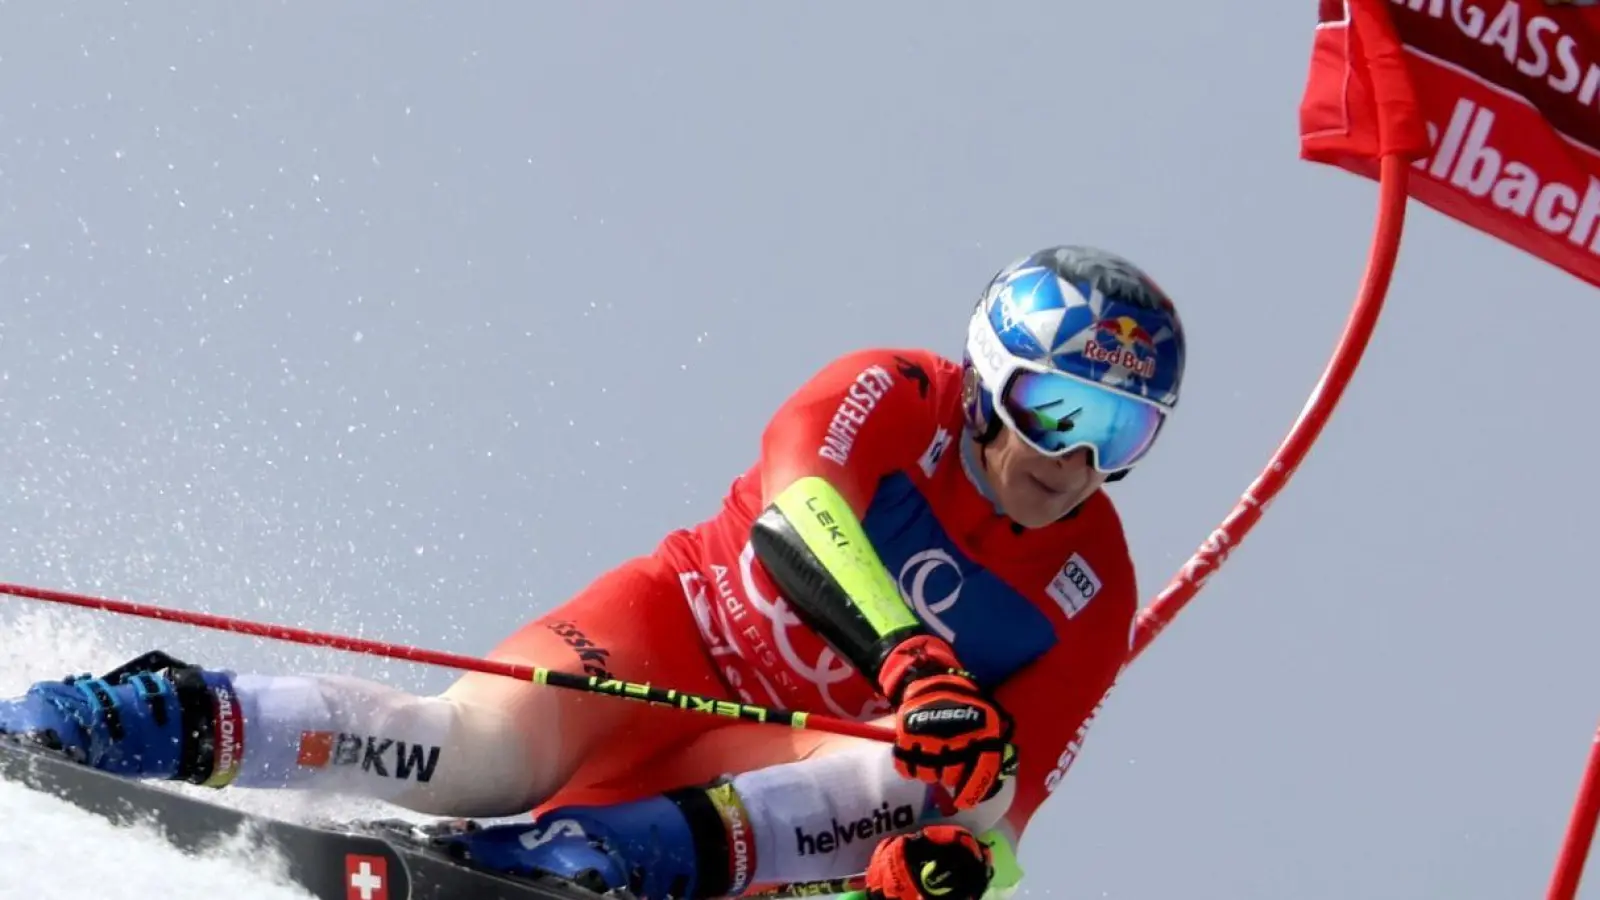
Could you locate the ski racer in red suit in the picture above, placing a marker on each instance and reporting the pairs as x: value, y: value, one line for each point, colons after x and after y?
x: 919, y: 542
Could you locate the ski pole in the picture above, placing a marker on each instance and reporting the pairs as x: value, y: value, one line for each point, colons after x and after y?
x: 591, y: 684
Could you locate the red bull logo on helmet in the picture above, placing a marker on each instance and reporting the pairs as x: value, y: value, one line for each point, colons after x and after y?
x: 1123, y: 342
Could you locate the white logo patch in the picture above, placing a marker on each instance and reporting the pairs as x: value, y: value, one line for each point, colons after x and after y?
x: 935, y: 452
x: 1074, y: 586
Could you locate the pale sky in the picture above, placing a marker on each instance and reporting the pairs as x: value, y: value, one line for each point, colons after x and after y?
x: 410, y: 321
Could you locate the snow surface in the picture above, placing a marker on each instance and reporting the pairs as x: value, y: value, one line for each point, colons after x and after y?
x: 106, y: 861
x: 52, y: 850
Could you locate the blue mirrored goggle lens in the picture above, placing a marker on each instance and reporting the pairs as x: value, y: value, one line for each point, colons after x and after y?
x: 1057, y: 413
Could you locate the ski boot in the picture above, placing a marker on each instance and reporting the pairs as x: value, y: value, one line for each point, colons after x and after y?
x: 152, y: 717
x: 645, y: 848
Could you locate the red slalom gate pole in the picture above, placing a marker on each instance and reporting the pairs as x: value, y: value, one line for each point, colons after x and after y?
x: 1213, y: 552
x: 609, y: 687
x: 1580, y: 830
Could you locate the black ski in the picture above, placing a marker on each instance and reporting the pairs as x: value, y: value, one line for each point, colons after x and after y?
x: 371, y: 861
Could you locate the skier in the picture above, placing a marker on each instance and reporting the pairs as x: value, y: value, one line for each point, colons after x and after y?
x: 920, y: 543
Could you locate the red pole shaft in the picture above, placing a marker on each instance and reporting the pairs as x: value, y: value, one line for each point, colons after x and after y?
x: 1580, y: 830
x: 1358, y: 331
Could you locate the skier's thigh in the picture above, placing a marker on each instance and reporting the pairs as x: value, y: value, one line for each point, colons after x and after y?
x: 714, y: 748
x: 744, y: 747
x: 631, y: 623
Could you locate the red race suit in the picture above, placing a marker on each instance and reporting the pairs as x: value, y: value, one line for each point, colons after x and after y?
x: 1041, y: 617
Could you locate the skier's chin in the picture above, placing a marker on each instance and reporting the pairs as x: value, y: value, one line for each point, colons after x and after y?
x: 1035, y: 504
x: 1035, y: 490
x: 1033, y: 498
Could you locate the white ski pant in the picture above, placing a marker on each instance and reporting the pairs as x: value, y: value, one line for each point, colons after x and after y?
x: 457, y: 754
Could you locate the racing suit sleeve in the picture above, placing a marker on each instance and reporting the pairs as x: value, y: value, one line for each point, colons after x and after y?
x: 823, y: 453
x: 1054, y: 700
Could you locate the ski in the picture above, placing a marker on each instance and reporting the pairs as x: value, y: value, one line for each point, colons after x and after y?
x: 387, y: 860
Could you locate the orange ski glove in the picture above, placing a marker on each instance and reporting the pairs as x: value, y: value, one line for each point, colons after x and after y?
x: 938, y: 862
x: 947, y: 732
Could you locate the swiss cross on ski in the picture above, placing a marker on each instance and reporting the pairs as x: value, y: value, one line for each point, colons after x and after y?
x: 366, y: 877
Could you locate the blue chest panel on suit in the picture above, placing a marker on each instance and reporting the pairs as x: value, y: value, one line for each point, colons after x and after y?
x: 994, y: 629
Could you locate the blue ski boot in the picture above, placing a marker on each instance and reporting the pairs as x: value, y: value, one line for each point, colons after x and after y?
x: 647, y: 847
x: 153, y: 717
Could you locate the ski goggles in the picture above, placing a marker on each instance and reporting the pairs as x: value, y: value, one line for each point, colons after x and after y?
x: 1057, y: 413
